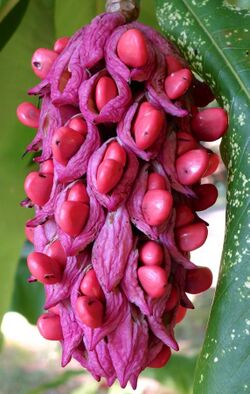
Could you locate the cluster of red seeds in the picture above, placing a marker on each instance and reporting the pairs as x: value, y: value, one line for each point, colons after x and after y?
x: 158, y: 196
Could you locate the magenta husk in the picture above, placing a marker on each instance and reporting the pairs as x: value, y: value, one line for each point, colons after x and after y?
x: 135, y: 327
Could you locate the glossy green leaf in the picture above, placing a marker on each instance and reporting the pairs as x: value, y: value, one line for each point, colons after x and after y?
x: 27, y: 298
x: 215, y: 40
x: 35, y: 30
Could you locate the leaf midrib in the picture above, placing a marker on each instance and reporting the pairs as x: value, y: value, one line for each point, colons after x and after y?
x: 216, y: 46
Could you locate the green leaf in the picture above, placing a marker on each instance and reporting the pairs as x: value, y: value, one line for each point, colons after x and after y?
x: 6, y: 6
x: 58, y: 381
x: 215, y: 40
x: 35, y: 30
x: 27, y: 298
x: 10, y: 19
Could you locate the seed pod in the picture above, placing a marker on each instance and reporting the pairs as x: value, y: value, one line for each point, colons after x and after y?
x: 192, y: 236
x: 42, y: 61
x: 73, y: 217
x: 156, y: 206
x: 153, y: 280
x: 90, y: 311
x: 198, y: 280
x: 151, y: 253
x: 132, y: 48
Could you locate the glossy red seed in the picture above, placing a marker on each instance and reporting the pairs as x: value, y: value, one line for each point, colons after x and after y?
x: 57, y: 252
x: 198, y: 280
x: 42, y: 61
x: 161, y: 359
x: 65, y: 143
x: 151, y: 253
x: 132, y: 48
x: 45, y: 269
x: 78, y: 124
x: 177, y: 83
x: 207, y: 195
x: 213, y: 164
x: 29, y: 232
x: 183, y: 215
x: 192, y: 236
x: 173, y: 64
x: 191, y: 166
x: 156, y: 206
x: 185, y: 142
x: 156, y: 181
x: 172, y: 300
x: 153, y: 280
x: 49, y: 326
x: 38, y: 187
x: 148, y: 125
x: 181, y: 313
x: 116, y: 152
x: 60, y: 44
x: 105, y: 91
x: 47, y: 167
x: 28, y: 114
x: 78, y: 192
x: 72, y: 217
x: 91, y: 287
x: 90, y: 311
x: 109, y: 174
x: 210, y: 124
x: 201, y: 93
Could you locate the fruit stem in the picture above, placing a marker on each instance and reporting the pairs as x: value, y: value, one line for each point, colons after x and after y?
x: 129, y: 8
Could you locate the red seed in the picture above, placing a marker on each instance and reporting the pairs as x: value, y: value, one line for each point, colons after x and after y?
x: 172, y: 300
x: 210, y: 124
x: 78, y: 124
x: 132, y: 48
x: 177, y: 83
x: 148, y: 125
x: 49, y: 326
x: 198, y: 280
x: 78, y: 192
x: 161, y: 359
x: 65, y: 143
x: 173, y: 64
x: 156, y: 206
x: 57, y: 252
x: 45, y: 269
x: 153, y: 280
x: 42, y: 61
x: 105, y: 91
x: 116, y: 152
x: 191, y: 166
x: 192, y: 236
x: 151, y: 253
x: 183, y: 215
x: 73, y: 217
x: 213, y: 164
x: 28, y: 114
x: 207, y: 195
x: 91, y: 287
x: 185, y: 142
x: 109, y: 174
x: 47, y: 167
x: 38, y: 187
x: 90, y: 311
x: 181, y: 313
x: 156, y: 181
x: 29, y: 232
x: 201, y: 93
x: 60, y: 44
